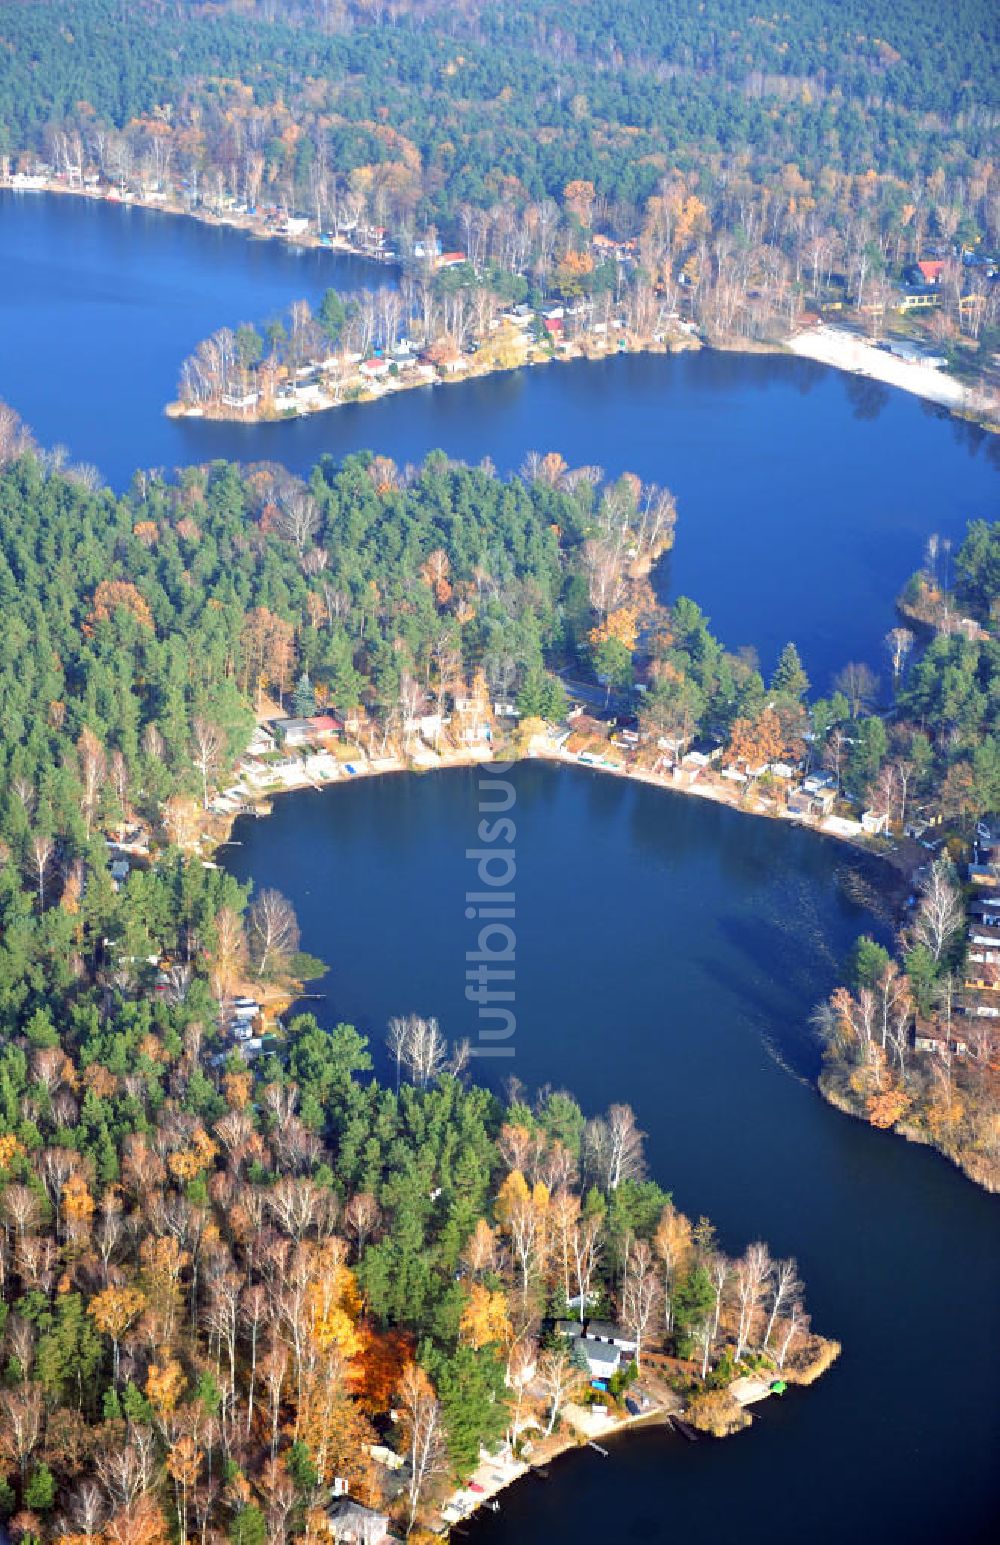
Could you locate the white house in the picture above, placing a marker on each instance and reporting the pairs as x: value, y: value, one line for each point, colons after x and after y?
x: 601, y: 1359
x: 613, y: 1335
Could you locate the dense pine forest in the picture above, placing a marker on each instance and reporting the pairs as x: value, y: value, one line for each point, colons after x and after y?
x: 228, y: 1285
x: 536, y: 93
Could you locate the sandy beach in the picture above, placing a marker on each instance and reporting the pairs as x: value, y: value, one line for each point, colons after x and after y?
x: 844, y: 350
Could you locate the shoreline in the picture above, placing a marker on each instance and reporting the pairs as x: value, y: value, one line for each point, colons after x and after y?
x: 845, y: 351
x: 359, y: 393
x: 256, y: 802
x: 833, y: 1093
x: 822, y: 343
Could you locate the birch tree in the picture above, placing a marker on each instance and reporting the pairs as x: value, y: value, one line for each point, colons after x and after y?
x: 640, y: 1294
x: 424, y: 1434
x: 556, y: 1377
x: 272, y: 930
x: 939, y: 915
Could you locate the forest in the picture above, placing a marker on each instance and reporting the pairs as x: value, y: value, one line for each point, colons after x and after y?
x: 145, y: 630
x: 750, y: 167
x: 940, y: 1083
x: 226, y: 1284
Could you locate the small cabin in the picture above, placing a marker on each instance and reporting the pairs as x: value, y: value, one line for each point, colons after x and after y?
x: 295, y: 732
x: 351, y: 1523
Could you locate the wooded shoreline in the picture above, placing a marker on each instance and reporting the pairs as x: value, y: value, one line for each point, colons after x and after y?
x: 962, y: 402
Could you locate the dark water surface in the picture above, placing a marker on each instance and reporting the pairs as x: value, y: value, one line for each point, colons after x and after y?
x: 669, y: 952
x: 805, y: 496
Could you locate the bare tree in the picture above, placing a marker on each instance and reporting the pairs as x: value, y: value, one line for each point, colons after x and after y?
x: 752, y: 1273
x: 272, y: 930
x: 93, y: 772
x: 207, y: 746
x: 396, y: 1039
x: 556, y: 1377
x: 362, y: 1216
x: 859, y: 685
x: 298, y: 518
x: 640, y: 1294
x: 796, y: 1325
x: 625, y: 1155
x: 424, y: 1434
x: 15, y: 439
x: 899, y: 642
x: 21, y: 1414
x: 424, y: 1049
x: 786, y: 1288
x: 585, y: 1248
x: 939, y: 915
x: 40, y: 858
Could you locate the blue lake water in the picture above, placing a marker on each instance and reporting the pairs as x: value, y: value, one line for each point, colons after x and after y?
x: 669, y: 952
x: 805, y: 496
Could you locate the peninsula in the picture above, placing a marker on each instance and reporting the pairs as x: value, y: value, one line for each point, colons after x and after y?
x: 224, y: 1245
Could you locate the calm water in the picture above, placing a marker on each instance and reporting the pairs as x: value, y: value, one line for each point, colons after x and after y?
x: 805, y: 496
x: 669, y: 953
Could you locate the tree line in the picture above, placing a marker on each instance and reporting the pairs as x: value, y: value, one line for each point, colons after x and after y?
x: 754, y: 166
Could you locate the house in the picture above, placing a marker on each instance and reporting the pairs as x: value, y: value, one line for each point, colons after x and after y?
x: 296, y: 225
x: 572, y: 1330
x: 374, y: 369
x: 262, y: 741
x: 817, y: 782
x: 919, y: 297
x: 555, y: 327
x: 241, y: 400
x: 930, y: 1035
x: 909, y: 352
x: 613, y: 1335
x: 930, y: 270
x: 451, y: 260
x: 295, y: 732
x: 873, y: 822
x: 988, y: 838
x: 351, y: 1523
x: 326, y: 724
x: 602, y: 1361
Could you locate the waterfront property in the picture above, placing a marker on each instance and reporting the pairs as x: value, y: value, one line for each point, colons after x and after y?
x: 723, y: 931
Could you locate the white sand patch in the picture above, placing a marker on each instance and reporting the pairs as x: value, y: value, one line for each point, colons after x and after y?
x: 845, y: 351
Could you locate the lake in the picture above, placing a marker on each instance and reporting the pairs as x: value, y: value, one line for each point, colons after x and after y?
x: 805, y: 496
x: 669, y: 952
